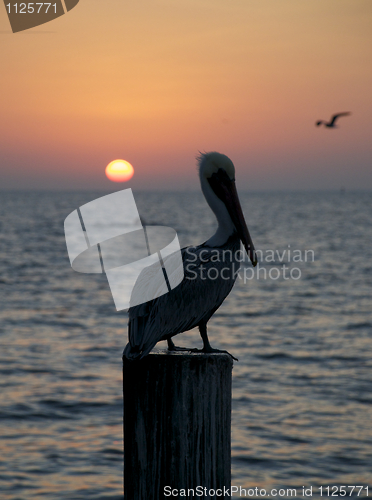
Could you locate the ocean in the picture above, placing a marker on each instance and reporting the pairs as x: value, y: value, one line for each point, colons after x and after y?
x: 300, y: 324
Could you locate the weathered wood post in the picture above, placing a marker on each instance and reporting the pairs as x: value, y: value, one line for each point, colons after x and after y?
x: 177, y: 424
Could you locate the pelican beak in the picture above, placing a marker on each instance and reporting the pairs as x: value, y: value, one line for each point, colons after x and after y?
x: 225, y: 189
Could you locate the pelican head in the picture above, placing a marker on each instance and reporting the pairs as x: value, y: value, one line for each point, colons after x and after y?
x: 217, y: 178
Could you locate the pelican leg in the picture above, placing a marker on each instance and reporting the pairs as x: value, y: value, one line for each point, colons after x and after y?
x: 207, y: 348
x: 172, y: 347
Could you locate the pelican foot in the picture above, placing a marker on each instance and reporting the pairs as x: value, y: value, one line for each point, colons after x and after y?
x: 176, y: 348
x: 211, y: 350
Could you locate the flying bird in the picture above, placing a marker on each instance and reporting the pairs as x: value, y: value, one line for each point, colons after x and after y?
x: 210, y: 269
x: 331, y: 124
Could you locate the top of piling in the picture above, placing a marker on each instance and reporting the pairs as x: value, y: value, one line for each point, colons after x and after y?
x: 182, y: 356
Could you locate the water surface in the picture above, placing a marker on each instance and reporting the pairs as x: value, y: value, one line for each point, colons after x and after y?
x: 302, y: 389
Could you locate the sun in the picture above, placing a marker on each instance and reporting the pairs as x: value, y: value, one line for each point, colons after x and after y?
x: 119, y: 171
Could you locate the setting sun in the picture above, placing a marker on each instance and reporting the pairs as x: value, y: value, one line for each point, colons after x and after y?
x: 119, y: 171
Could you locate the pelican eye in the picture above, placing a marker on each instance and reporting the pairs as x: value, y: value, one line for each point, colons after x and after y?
x: 222, y: 176
x: 220, y: 182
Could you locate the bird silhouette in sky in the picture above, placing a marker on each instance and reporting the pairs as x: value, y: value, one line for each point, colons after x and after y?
x: 331, y: 124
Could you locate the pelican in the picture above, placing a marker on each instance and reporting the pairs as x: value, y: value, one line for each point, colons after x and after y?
x: 331, y: 124
x: 192, y: 303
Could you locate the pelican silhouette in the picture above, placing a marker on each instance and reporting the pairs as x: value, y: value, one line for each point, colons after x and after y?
x: 331, y: 124
x: 195, y: 299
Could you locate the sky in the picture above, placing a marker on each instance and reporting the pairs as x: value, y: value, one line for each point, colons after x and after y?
x: 156, y: 81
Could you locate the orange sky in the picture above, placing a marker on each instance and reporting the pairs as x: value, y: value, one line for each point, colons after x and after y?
x: 153, y: 82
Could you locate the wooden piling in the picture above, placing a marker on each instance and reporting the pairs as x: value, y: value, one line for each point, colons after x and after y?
x: 177, y: 424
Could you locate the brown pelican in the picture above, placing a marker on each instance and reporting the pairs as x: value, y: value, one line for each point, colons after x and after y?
x: 210, y: 269
x: 331, y: 124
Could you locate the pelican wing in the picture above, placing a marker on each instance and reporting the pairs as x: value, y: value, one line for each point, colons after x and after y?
x: 194, y: 300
